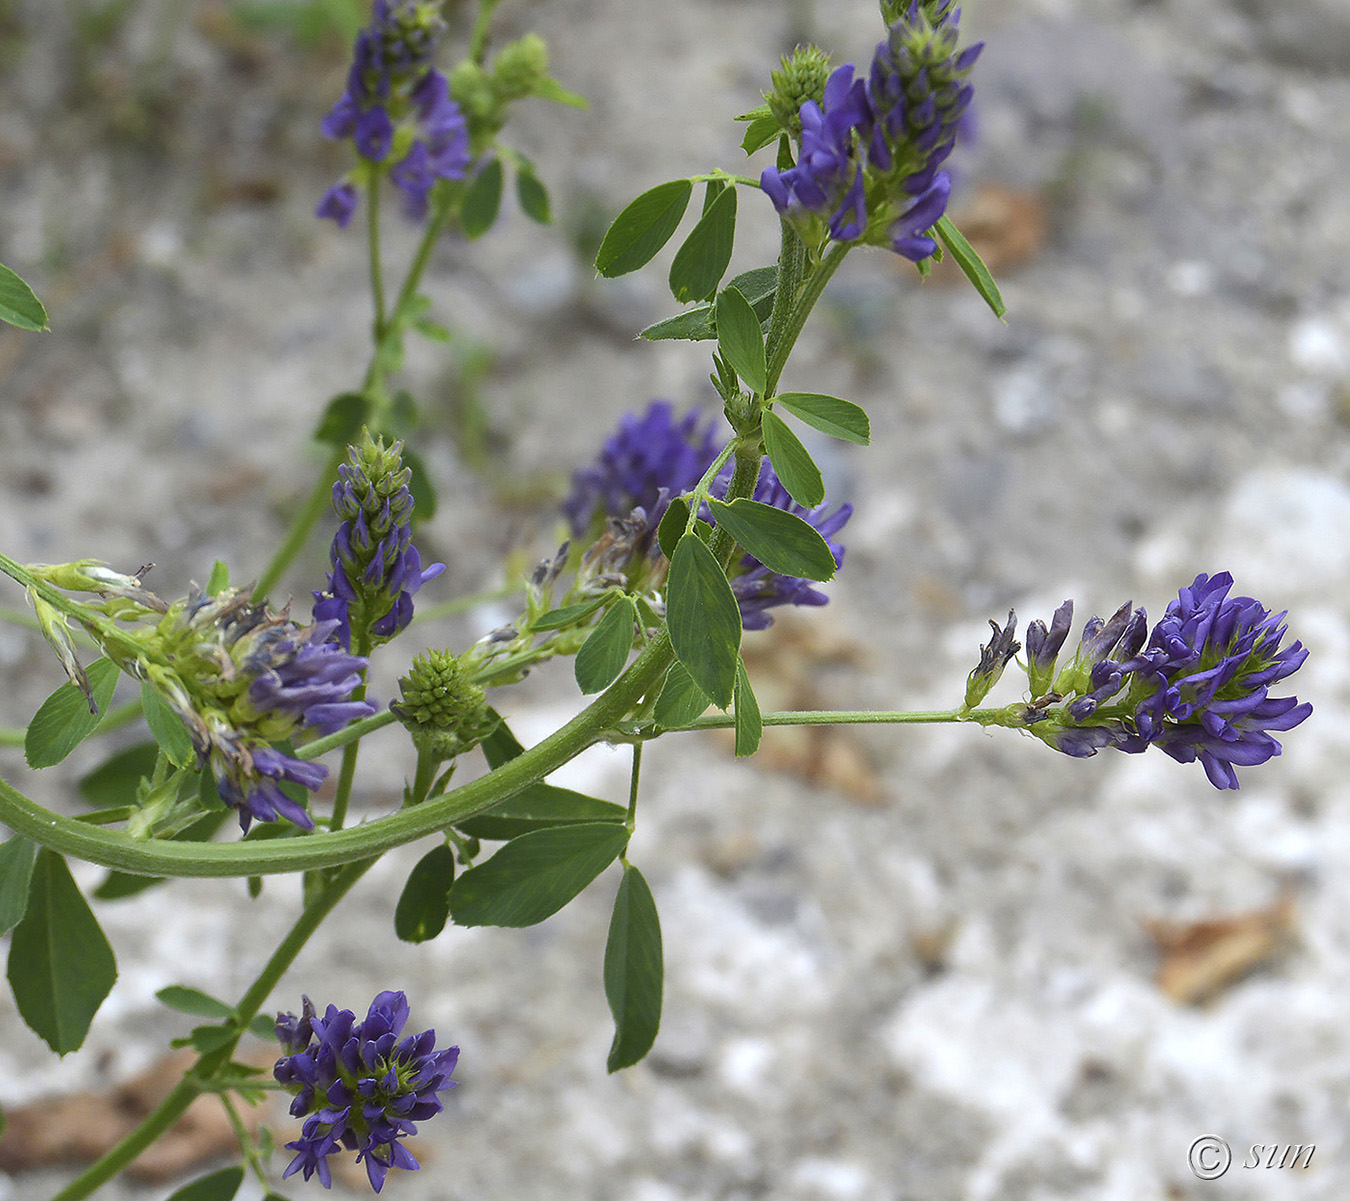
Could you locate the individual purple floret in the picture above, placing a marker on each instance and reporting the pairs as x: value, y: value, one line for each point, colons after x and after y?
x: 1197, y: 686
x: 359, y: 1086
x: 653, y: 458
x: 376, y: 568
x: 397, y: 103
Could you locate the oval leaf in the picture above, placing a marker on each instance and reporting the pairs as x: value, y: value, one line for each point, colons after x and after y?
x: 780, y: 540
x: 704, y: 619
x: 424, y: 905
x: 533, y: 197
x: 17, y: 856
x: 792, y: 462
x: 60, y: 964
x: 705, y: 255
x: 218, y: 1186
x: 479, y: 208
x: 633, y: 971
x: 600, y: 660
x: 639, y: 232
x: 64, y: 719
x: 194, y: 1001
x: 671, y: 527
x: 829, y: 414
x: 740, y: 338
x: 535, y: 875
x: 680, y: 701
x: 18, y: 304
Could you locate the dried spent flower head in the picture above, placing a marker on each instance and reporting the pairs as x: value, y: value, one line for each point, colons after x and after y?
x: 358, y: 1086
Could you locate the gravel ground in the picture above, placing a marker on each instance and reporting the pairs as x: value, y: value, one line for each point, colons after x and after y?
x: 911, y: 964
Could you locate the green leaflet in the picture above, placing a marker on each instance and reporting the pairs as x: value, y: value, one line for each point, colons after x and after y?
x: 532, y: 196
x: 680, y: 700
x: 749, y: 722
x: 639, y: 232
x: 758, y: 286
x: 17, y: 856
x: 64, y: 720
x: 60, y: 964
x: 740, y: 340
x: 703, y: 618
x: 167, y: 727
x: 703, y: 258
x: 829, y: 414
x: 535, y: 875
x: 424, y: 904
x: 601, y: 659
x: 19, y: 306
x: 195, y: 1002
x: 971, y: 263
x: 792, y: 462
x: 633, y: 970
x: 478, y: 210
x: 218, y: 1186
x: 780, y: 540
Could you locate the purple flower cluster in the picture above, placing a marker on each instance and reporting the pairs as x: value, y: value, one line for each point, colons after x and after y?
x: 376, y: 567
x: 871, y: 150
x: 358, y: 1086
x: 1197, y: 686
x: 397, y: 110
x: 244, y: 679
x: 652, y: 458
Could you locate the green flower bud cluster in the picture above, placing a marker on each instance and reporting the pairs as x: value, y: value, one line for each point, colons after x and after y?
x: 801, y: 78
x: 519, y: 70
x: 443, y: 709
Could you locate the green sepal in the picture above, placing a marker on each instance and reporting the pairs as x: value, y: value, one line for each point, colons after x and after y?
x: 740, y: 340
x: 792, y: 462
x: 705, y: 254
x: 167, y: 727
x: 17, y: 856
x: 829, y: 414
x: 218, y: 1186
x: 703, y: 618
x: 67, y: 717
x: 780, y: 540
x: 971, y: 263
x: 424, y: 904
x: 535, y: 875
x: 633, y: 970
x: 19, y: 305
x: 749, y: 722
x: 60, y: 964
x: 482, y: 200
x: 646, y: 225
x: 601, y: 658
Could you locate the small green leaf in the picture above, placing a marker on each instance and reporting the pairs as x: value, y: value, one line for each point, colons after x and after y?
x: 696, y: 324
x: 702, y: 260
x: 539, y: 807
x: 262, y: 1027
x: 114, y: 781
x: 792, y: 462
x: 761, y: 131
x: 206, y: 1039
x: 971, y: 263
x: 780, y: 540
x: 424, y: 904
x: 829, y: 414
x: 342, y: 420
x: 560, y: 619
x: 420, y: 485
x: 535, y: 875
x: 740, y: 338
x: 639, y: 232
x: 18, y: 304
x: 602, y: 656
x: 749, y: 722
x: 60, y: 964
x: 167, y: 727
x: 551, y: 89
x: 193, y: 1001
x: 218, y: 1186
x: 704, y: 619
x: 64, y: 720
x: 672, y: 524
x: 17, y: 856
x: 532, y: 196
x: 479, y: 208
x: 633, y: 971
x: 680, y: 700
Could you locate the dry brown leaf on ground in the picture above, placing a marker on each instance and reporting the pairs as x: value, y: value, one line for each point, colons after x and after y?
x: 1201, y: 959
x: 79, y: 1128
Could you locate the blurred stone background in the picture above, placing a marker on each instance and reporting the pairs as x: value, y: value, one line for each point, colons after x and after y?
x: 921, y: 965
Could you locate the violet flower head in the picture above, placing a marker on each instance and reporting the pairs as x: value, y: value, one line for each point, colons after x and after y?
x: 376, y: 568
x: 359, y: 1086
x: 397, y: 110
x: 243, y: 680
x: 1197, y: 686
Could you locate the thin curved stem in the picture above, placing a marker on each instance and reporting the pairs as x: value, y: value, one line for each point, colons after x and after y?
x: 792, y: 328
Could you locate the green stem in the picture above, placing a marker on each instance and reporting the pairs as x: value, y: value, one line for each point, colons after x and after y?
x: 9, y: 736
x: 241, y: 1136
x: 463, y: 604
x: 786, y: 338
x: 791, y: 264
x: 478, y: 39
x: 115, y: 849
x: 195, y: 1082
x: 373, y: 243
x: 347, y: 773
x: 856, y: 717
x: 631, y: 821
x: 425, y: 777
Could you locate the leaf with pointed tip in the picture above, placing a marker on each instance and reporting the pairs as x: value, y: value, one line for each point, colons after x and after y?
x: 740, y: 340
x: 696, y: 324
x: 193, y: 1001
x: 646, y: 225
x: 167, y: 727
x: 749, y: 722
x: 424, y: 904
x: 973, y: 266
x: 680, y: 700
x: 792, y: 462
x: 218, y: 1186
x: 532, y: 196
x: 829, y: 414
x: 17, y: 856
x: 19, y: 305
x: 633, y: 970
